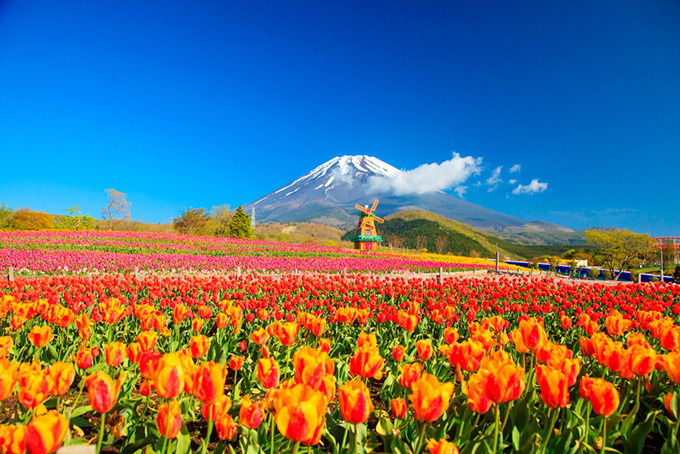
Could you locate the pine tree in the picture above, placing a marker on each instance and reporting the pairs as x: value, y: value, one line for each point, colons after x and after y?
x: 240, y: 225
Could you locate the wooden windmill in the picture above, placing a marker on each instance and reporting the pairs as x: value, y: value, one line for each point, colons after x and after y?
x: 366, y: 238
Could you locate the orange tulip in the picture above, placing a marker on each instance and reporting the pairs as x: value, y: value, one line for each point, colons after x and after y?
x: 667, y: 398
x: 103, y: 391
x: 197, y: 324
x: 8, y: 378
x: 318, y: 326
x: 226, y: 427
x: 300, y: 413
x: 430, y: 398
x: 467, y: 355
x: 409, y: 374
x: 355, y: 402
x: 325, y: 345
x: 134, y: 352
x: 236, y: 362
x: 441, y: 447
x: 398, y: 352
x: 115, y: 354
x: 147, y: 340
x: 169, y: 377
x: 259, y: 336
x: 169, y: 419
x: 424, y: 349
x: 642, y: 359
x: 268, y: 372
x: 367, y: 362
x: 6, y: 344
x: 40, y: 336
x: 84, y: 357
x: 34, y: 388
x: 616, y: 325
x: 498, y: 380
x: 44, y: 434
x: 179, y: 313
x: 671, y: 363
x: 61, y: 376
x: 553, y: 383
x: 199, y: 346
x: 603, y: 396
x: 450, y: 335
x: 398, y: 407
x: 221, y: 406
x: 250, y: 414
x: 529, y: 336
x: 209, y: 381
x: 12, y: 439
x: 287, y: 332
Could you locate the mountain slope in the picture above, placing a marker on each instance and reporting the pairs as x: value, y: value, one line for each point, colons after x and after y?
x: 328, y: 193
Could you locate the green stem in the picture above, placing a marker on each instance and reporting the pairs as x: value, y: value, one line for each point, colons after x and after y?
x: 295, y: 447
x: 344, y: 438
x: 604, y: 435
x: 356, y: 438
x: 102, y: 425
x: 495, y: 430
x: 587, y: 425
x: 167, y: 429
x: 207, y: 436
x: 420, y: 438
x: 271, y: 446
x: 550, y: 428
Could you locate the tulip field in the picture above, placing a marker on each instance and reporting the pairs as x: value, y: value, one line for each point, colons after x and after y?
x: 84, y: 252
x: 335, y: 363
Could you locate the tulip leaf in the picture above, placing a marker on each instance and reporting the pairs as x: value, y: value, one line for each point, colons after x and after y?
x: 183, y: 441
x: 81, y: 411
x: 635, y: 442
x: 81, y: 422
x: 515, y: 438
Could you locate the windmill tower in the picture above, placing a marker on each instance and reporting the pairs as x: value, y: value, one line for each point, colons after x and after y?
x: 366, y: 238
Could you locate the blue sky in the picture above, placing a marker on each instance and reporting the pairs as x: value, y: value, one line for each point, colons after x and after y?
x: 206, y: 103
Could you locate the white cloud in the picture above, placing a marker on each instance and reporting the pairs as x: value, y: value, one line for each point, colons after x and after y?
x: 494, y: 179
x: 460, y: 191
x: 532, y: 188
x: 516, y: 168
x: 512, y: 181
x: 430, y: 177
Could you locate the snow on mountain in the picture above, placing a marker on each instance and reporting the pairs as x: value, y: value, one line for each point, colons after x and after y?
x: 327, y: 195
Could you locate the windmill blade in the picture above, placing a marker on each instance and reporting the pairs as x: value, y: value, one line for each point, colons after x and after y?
x: 378, y: 219
x: 360, y: 208
x: 375, y: 205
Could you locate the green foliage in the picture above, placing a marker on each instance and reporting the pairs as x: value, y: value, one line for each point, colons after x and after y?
x: 634, y: 275
x: 593, y: 273
x: 619, y: 248
x: 76, y: 220
x: 6, y: 215
x: 240, y: 227
x: 220, y: 217
x: 528, y: 251
x: 423, y: 233
x: 668, y: 249
x: 192, y: 221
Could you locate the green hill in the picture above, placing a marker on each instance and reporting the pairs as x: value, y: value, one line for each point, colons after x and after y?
x: 454, y: 237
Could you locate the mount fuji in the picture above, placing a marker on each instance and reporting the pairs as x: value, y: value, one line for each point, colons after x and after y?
x: 328, y: 193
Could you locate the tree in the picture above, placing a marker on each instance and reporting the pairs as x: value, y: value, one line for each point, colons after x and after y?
x: 396, y: 241
x: 440, y: 244
x: 118, y: 208
x: 76, y: 220
x: 219, y: 220
x: 619, y: 249
x: 25, y: 219
x: 192, y: 221
x: 668, y: 249
x: 240, y: 227
x: 420, y: 242
x: 6, y: 215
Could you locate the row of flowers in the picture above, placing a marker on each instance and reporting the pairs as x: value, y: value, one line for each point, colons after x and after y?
x: 338, y: 363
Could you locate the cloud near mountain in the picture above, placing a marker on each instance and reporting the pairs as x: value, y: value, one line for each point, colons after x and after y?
x: 429, y: 177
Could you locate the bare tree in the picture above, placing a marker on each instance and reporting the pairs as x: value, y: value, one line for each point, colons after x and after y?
x: 420, y: 242
x: 118, y: 208
x: 440, y: 243
x: 396, y: 241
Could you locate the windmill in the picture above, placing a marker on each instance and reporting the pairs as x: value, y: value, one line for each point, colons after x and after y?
x: 366, y: 238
